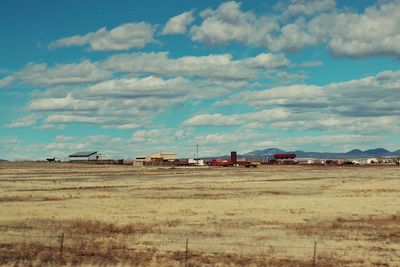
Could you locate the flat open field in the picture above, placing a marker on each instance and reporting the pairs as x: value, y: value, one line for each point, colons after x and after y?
x: 131, y: 216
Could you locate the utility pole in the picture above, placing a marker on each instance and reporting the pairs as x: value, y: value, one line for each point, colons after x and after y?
x: 315, y: 252
x: 186, y: 252
x: 197, y: 154
x: 61, y: 246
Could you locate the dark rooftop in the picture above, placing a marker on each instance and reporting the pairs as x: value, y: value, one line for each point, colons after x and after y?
x: 82, y: 154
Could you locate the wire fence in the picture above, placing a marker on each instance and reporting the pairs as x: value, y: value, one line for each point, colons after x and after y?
x: 191, y: 243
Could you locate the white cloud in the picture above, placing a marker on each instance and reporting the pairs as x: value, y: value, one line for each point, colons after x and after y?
x: 123, y: 37
x: 307, y: 7
x: 211, y: 66
x: 311, y: 64
x: 41, y: 74
x: 375, y: 32
x: 123, y: 103
x: 228, y: 23
x: 263, y: 116
x: 267, y: 61
x: 369, y: 104
x: 63, y: 138
x: 302, y: 94
x: 49, y: 126
x: 23, y: 122
x: 227, y: 138
x: 123, y: 126
x: 6, y: 81
x: 346, y: 33
x: 179, y: 24
x: 145, y: 87
x: 212, y: 120
x: 292, y: 37
x: 68, y: 103
x: 152, y: 136
x: 69, y: 118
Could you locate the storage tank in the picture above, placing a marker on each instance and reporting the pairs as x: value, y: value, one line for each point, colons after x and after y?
x: 233, y: 157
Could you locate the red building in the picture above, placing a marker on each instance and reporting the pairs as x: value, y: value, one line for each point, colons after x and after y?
x: 284, y: 156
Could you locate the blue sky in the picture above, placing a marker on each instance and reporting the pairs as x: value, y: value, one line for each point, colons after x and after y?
x: 128, y: 78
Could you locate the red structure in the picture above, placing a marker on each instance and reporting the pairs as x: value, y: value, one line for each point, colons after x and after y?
x: 232, y: 162
x: 233, y: 157
x: 284, y: 156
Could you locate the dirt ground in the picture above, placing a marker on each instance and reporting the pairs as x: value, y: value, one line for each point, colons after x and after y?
x: 134, y: 216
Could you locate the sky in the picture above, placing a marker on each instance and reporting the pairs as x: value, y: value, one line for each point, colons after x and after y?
x: 127, y: 78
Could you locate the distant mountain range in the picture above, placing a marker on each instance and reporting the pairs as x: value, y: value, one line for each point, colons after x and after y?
x: 355, y: 153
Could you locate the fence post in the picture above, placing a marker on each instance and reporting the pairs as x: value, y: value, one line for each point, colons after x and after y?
x: 61, y: 245
x: 186, y: 252
x: 315, y: 252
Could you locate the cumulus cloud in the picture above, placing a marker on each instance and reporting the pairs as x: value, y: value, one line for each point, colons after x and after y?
x: 354, y: 105
x: 23, y: 122
x: 212, y: 120
x: 211, y: 66
x: 179, y: 24
x: 123, y: 103
x: 228, y: 23
x: 4, y: 82
x: 311, y: 64
x: 70, y: 118
x: 63, y: 138
x: 123, y: 126
x: 68, y: 103
x: 152, y: 136
x: 375, y: 32
x: 123, y: 37
x: 267, y: 115
x: 145, y: 87
x: 303, y: 7
x: 346, y: 33
x: 217, y: 66
x: 73, y: 73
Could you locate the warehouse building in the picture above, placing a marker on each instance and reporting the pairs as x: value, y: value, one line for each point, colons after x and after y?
x: 85, y: 156
x: 157, y: 159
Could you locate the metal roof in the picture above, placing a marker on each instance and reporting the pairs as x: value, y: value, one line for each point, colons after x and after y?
x: 82, y: 154
x: 163, y: 155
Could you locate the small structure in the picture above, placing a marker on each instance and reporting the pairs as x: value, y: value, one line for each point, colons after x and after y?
x: 85, y: 156
x: 232, y: 162
x: 196, y: 162
x: 156, y: 159
x: 284, y: 156
x: 53, y: 159
x: 165, y: 156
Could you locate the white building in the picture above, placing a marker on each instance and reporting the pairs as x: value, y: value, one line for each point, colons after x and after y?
x: 196, y: 162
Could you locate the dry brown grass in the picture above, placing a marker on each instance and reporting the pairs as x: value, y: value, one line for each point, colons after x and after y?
x: 370, y: 228
x: 99, y: 254
x: 82, y: 226
x: 29, y: 198
x: 269, y: 216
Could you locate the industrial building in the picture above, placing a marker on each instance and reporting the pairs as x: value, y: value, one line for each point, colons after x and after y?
x: 284, y: 158
x: 233, y: 162
x: 196, y: 162
x: 157, y: 159
x: 85, y: 156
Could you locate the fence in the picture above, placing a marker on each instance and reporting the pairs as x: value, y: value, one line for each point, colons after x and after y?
x: 183, y: 246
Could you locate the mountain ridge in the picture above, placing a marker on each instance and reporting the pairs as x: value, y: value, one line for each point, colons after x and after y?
x: 354, y: 153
